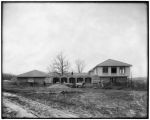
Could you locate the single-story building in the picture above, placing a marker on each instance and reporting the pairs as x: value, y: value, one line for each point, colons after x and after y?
x: 41, y: 78
x: 33, y: 77
x: 108, y: 71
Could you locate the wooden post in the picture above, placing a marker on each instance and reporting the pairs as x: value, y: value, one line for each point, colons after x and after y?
x: 84, y: 79
x: 127, y: 82
x: 59, y: 79
x: 75, y: 81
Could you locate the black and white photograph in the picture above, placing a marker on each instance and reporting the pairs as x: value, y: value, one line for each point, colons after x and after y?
x: 63, y: 59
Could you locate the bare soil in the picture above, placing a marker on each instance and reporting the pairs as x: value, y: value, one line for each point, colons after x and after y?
x: 80, y: 102
x: 26, y: 108
x: 13, y: 110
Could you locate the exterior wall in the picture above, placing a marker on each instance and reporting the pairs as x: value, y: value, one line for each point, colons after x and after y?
x: 99, y: 71
x: 109, y: 71
x: 95, y: 71
x: 74, y: 78
x: 48, y: 80
x: 117, y: 81
x: 21, y: 80
x: 90, y: 72
x: 95, y: 79
x: 121, y: 79
x: 127, y: 71
x: 105, y: 79
x: 26, y: 80
x: 39, y: 80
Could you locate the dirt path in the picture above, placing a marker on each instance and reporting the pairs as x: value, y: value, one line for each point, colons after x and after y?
x: 32, y: 109
x: 20, y: 112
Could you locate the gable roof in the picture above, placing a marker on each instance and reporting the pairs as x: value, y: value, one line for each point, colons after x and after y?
x: 111, y: 62
x: 33, y: 73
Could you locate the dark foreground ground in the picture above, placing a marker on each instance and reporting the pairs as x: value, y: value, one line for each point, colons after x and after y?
x: 43, y: 102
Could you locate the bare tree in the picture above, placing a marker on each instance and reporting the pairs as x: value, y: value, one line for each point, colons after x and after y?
x: 59, y: 65
x: 80, y: 65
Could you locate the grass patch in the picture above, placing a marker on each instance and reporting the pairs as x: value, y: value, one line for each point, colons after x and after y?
x: 90, y: 102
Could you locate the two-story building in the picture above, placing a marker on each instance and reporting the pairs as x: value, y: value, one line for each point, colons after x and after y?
x: 112, y: 70
x: 107, y: 71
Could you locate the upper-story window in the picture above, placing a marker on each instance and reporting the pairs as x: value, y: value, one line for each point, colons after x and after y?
x: 114, y: 70
x: 122, y: 70
x: 105, y: 69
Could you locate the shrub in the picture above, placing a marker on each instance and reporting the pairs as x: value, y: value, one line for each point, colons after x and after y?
x: 139, y: 85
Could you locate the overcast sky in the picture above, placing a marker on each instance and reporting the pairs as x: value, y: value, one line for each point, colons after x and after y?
x: 34, y: 33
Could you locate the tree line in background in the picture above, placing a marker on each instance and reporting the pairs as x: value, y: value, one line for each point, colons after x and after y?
x: 61, y: 65
x: 7, y: 76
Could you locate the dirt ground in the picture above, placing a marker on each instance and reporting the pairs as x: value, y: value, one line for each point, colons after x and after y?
x: 26, y: 108
x: 42, y: 102
x: 13, y: 110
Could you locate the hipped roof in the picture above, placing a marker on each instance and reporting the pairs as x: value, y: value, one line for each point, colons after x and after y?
x: 33, y: 73
x: 111, y: 62
x: 37, y: 73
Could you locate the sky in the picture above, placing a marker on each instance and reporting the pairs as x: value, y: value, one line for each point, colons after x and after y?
x: 34, y: 33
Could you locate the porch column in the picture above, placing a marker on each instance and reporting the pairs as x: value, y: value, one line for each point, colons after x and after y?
x: 84, y: 79
x: 68, y: 79
x: 59, y: 79
x: 117, y: 70
x: 75, y: 79
x: 109, y: 70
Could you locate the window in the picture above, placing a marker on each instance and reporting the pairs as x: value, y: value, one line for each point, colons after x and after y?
x: 113, y: 70
x: 105, y: 69
x: 30, y: 80
x: 122, y: 70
